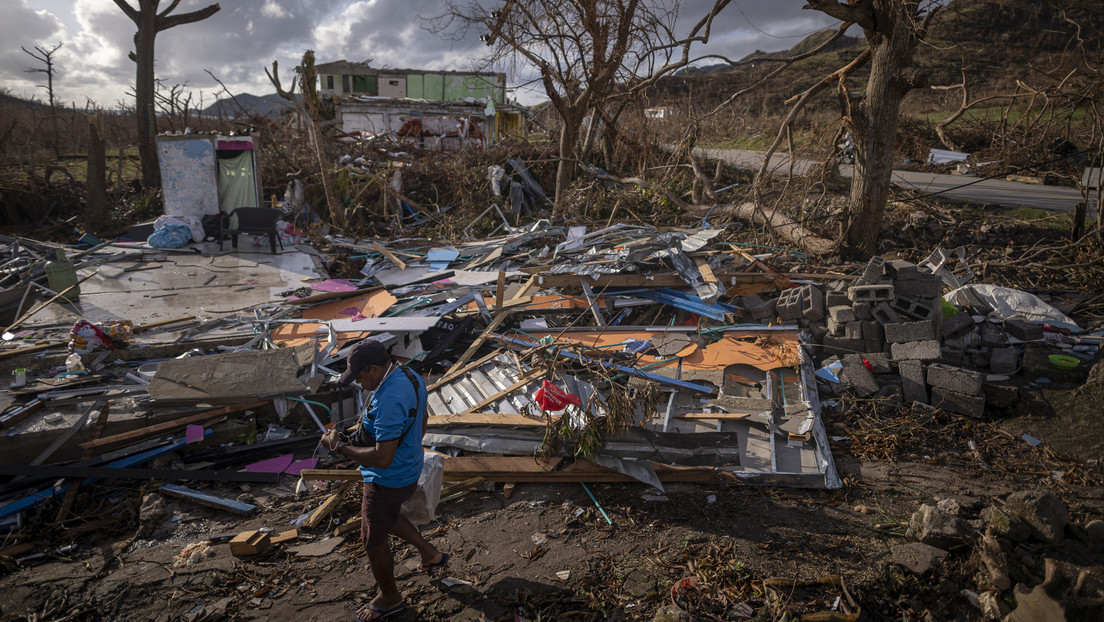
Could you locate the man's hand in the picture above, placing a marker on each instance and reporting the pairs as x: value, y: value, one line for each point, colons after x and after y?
x: 331, y: 439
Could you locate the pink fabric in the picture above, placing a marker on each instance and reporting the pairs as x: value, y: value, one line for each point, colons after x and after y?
x: 193, y: 434
x: 272, y: 465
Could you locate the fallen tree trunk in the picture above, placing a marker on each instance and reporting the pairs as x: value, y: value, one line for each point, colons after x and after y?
x: 782, y: 226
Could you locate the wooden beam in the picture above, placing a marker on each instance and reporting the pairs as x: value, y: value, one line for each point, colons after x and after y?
x: 381, y: 249
x: 469, y: 418
x: 169, y: 425
x: 500, y: 289
x: 717, y: 416
x: 331, y: 475
x: 207, y: 499
x: 328, y: 505
x: 151, y: 325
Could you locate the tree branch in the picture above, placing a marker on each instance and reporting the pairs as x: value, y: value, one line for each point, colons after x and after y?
x: 164, y: 23
x: 130, y: 11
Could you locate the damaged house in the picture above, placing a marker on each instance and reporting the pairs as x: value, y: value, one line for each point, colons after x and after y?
x: 448, y: 110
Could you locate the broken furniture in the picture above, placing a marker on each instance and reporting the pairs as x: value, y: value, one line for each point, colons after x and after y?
x: 250, y: 220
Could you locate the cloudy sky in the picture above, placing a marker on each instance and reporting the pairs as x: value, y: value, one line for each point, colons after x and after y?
x: 238, y: 42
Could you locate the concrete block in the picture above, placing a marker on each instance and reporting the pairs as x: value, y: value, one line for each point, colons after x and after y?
x: 788, y: 304
x: 953, y: 356
x: 920, y: 287
x: 863, y: 310
x: 836, y: 298
x: 913, y: 386
x: 765, y: 311
x: 957, y: 323
x: 836, y: 328
x: 872, y: 272
x: 812, y: 303
x: 872, y: 331
x: 875, y: 345
x: 916, y: 351
x: 858, y: 376
x: 969, y: 405
x: 842, y: 346
x: 912, y: 308
x: 992, y: 337
x: 870, y: 293
x: 901, y: 270
x: 853, y: 330
x: 884, y: 314
x: 842, y: 314
x: 879, y: 361
x: 1023, y: 330
x: 1004, y: 361
x: 955, y: 379
x: 978, y: 358
x: 909, y: 331
x: 748, y: 302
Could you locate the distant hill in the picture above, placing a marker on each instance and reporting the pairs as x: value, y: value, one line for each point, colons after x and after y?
x: 264, y: 105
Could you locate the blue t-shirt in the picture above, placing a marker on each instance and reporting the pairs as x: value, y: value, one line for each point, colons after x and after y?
x: 387, y: 416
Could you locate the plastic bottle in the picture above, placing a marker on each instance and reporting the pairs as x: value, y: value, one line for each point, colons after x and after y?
x: 61, y: 274
x: 73, y: 363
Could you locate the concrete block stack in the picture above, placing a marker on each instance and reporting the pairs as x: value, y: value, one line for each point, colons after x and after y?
x: 887, y: 331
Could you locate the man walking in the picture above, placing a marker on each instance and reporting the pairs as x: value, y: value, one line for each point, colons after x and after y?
x: 388, y: 448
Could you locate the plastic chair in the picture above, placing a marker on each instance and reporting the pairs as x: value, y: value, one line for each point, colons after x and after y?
x: 255, y: 220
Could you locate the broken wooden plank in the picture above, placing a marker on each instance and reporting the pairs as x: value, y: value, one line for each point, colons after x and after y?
x: 285, y: 536
x: 467, y: 467
x: 151, y: 325
x: 328, y: 505
x: 71, y: 494
x: 207, y: 499
x: 705, y: 271
x: 470, y: 418
x: 381, y: 249
x: 717, y: 416
x: 181, y: 475
x: 331, y: 475
x: 249, y: 543
x: 170, y: 425
x: 330, y: 296
x: 463, y: 486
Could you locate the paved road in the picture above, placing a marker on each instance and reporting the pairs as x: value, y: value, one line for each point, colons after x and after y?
x: 989, y: 191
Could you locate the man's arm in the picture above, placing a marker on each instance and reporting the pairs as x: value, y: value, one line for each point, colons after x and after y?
x: 379, y: 456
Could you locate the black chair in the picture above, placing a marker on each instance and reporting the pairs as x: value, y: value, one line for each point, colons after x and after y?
x: 255, y: 220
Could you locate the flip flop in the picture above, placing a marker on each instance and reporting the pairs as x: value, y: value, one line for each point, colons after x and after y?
x: 444, y: 560
x: 383, y: 613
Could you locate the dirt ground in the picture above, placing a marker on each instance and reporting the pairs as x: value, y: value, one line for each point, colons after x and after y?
x: 547, y: 553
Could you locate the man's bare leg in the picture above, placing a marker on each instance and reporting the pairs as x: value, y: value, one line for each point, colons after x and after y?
x: 382, y: 563
x: 407, y: 531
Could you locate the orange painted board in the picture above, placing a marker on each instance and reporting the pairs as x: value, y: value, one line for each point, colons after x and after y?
x: 369, y: 305
x: 730, y: 350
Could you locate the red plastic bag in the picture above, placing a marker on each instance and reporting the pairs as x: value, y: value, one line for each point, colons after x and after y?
x: 552, y: 398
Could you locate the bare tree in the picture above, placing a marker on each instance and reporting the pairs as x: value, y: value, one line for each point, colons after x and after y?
x: 306, y: 74
x: 582, y: 50
x: 47, y: 58
x: 150, y: 22
x: 893, y: 30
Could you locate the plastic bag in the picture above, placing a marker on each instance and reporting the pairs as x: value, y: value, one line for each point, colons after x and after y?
x: 170, y: 236
x: 552, y: 398
x: 87, y: 337
x: 421, y: 507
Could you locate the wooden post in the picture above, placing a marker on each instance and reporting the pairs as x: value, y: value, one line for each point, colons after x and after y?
x: 1078, y: 221
x: 95, y: 217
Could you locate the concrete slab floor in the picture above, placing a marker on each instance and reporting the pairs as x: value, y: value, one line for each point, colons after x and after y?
x: 153, y: 285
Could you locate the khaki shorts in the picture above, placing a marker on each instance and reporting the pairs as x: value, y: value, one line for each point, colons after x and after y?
x: 379, y: 509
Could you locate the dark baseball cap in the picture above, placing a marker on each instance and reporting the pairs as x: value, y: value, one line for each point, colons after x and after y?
x: 364, y: 355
